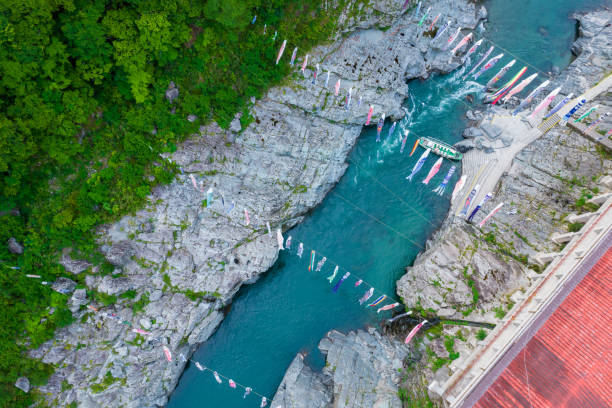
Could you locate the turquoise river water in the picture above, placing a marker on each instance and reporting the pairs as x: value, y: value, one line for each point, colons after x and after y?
x: 372, y: 224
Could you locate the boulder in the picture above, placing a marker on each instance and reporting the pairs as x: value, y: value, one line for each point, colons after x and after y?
x: 172, y: 92
x: 114, y: 286
x: 303, y: 388
x: 74, y: 266
x: 120, y: 253
x: 473, y: 115
x: 235, y: 125
x: 23, y: 384
x: 14, y: 246
x: 491, y: 131
x: 63, y: 285
x: 78, y: 299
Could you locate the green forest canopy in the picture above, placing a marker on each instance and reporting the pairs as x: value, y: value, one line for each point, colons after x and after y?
x: 82, y: 87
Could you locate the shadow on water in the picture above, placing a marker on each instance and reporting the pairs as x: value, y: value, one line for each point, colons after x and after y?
x: 368, y: 225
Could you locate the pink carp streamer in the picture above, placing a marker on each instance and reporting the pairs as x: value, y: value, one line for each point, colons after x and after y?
x: 433, y: 171
x: 492, y: 213
x: 463, y: 41
x: 435, y: 20
x: 369, y: 118
x: 280, y: 52
x: 546, y: 102
x: 293, y: 56
x: 337, y: 88
x: 519, y: 87
x: 167, y: 353
x: 406, y: 132
x: 414, y: 331
x: 193, y: 181
x: 388, y: 307
x: 305, y: 63
x: 232, y: 383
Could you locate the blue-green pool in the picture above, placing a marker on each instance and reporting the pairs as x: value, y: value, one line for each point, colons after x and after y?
x: 290, y: 309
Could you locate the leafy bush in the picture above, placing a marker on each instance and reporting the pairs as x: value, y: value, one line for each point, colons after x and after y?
x: 481, y: 334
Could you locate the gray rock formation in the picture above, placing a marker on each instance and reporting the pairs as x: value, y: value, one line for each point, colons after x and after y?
x: 14, y: 246
x: 303, y: 388
x: 593, y: 49
x: 172, y: 92
x: 465, y: 145
x: 74, y: 266
x: 63, y: 285
x: 363, y: 369
x: 185, y: 257
x: 23, y: 384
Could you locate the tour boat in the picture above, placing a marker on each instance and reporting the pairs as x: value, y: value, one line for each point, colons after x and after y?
x: 440, y: 148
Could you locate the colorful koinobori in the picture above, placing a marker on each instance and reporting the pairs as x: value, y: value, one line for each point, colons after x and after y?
x: 502, y: 72
x: 530, y: 97
x: 490, y: 64
x: 482, y: 59
x: 575, y: 109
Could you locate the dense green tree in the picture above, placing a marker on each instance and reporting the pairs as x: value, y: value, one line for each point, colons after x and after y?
x: 81, y: 88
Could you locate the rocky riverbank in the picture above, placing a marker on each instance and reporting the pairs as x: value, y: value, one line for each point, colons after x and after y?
x: 178, y: 262
x: 468, y: 273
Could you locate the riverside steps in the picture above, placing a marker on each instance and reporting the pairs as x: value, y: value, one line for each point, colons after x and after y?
x: 507, y: 135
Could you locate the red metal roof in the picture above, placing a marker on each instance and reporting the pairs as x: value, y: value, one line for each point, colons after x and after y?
x: 568, y: 362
